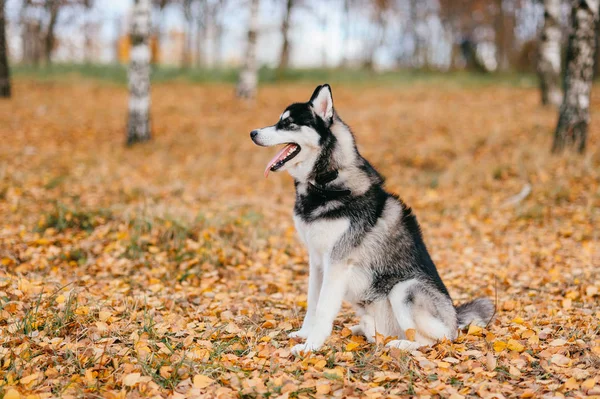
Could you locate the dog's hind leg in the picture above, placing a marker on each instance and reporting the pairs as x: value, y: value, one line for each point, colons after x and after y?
x: 422, y: 308
x: 366, y: 327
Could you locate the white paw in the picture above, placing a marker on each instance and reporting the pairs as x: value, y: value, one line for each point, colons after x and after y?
x: 305, y: 348
x: 404, y: 345
x: 301, y: 333
x: 357, y: 330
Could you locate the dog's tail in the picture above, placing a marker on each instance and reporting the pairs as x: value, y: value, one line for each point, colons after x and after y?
x: 479, y: 312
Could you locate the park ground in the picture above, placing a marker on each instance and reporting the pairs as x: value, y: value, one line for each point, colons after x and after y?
x: 172, y: 269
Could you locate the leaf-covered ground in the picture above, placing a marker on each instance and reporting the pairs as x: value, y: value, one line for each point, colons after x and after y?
x: 172, y: 269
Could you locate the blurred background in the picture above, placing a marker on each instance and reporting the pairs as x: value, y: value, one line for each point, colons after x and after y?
x: 484, y: 36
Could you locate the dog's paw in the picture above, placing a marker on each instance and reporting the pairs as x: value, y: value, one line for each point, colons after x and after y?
x: 357, y: 330
x: 301, y: 333
x: 404, y: 345
x: 305, y: 348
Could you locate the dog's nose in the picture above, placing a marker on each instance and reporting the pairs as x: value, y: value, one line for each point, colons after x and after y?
x: 253, y: 134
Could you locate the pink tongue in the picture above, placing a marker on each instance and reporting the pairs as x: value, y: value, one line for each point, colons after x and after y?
x: 280, y: 155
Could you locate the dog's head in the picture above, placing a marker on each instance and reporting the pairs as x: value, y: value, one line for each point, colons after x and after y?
x: 302, y: 128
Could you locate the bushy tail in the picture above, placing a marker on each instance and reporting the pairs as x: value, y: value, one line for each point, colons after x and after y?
x: 479, y: 312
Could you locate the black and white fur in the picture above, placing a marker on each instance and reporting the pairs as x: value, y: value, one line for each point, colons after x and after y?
x: 364, y: 244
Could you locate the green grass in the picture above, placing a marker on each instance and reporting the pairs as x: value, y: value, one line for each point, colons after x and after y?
x: 117, y: 74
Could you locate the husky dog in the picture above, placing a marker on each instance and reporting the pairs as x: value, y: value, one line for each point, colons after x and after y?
x: 364, y: 244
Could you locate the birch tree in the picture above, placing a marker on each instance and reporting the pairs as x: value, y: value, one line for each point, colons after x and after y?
x: 572, y: 127
x: 549, y: 56
x: 53, y: 8
x: 248, y: 79
x: 285, y: 29
x: 4, y: 69
x: 138, y: 128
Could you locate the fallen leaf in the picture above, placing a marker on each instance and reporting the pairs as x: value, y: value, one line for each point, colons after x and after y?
x: 201, y: 381
x: 131, y: 379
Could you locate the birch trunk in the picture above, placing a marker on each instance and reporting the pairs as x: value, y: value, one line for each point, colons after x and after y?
x: 4, y: 69
x: 550, y: 55
x: 50, y: 39
x: 285, y: 28
x: 248, y: 79
x: 138, y: 128
x: 572, y: 127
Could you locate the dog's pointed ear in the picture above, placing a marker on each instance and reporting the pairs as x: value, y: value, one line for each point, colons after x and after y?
x: 322, y: 102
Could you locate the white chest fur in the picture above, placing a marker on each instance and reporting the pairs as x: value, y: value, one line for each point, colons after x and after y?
x: 321, y: 236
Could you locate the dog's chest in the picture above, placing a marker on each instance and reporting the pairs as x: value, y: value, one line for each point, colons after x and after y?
x: 321, y: 236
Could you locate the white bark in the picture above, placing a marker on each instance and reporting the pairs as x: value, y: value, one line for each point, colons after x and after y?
x: 574, y: 118
x: 550, y: 55
x: 139, y: 73
x: 248, y: 79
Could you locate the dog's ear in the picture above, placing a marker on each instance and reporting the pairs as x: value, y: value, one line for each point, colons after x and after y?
x: 322, y: 102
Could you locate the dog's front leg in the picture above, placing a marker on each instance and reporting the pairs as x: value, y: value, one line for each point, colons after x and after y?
x: 315, y: 281
x: 330, y: 302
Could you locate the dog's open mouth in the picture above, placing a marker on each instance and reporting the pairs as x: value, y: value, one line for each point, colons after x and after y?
x: 286, y: 154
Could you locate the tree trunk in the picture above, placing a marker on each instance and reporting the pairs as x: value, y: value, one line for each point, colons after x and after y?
x: 187, y: 48
x: 50, y: 39
x: 218, y: 44
x: 572, y: 127
x: 200, y: 38
x: 248, y: 79
x: 505, y: 33
x: 4, y: 69
x: 285, y: 28
x: 138, y: 128
x: 549, y: 54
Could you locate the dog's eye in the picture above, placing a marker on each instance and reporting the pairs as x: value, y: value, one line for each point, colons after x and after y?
x: 286, y: 124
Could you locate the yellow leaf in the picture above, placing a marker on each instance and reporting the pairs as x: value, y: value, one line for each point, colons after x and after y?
x: 571, y: 384
x: 320, y: 365
x: 443, y: 365
x: 12, y: 394
x: 410, y: 334
x: 202, y: 381
x: 268, y: 324
x: 338, y: 372
x: 514, y: 345
x: 82, y: 310
x: 29, y: 378
x: 560, y: 360
x: 475, y: 330
x: 60, y: 299
x: 352, y: 346
x: 232, y: 328
x: 323, y: 387
x: 104, y: 315
x: 527, y: 334
x: 89, y: 376
x: 514, y: 371
x: 528, y: 393
x: 490, y: 361
x: 131, y: 379
x: 588, y: 384
x: 499, y: 346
